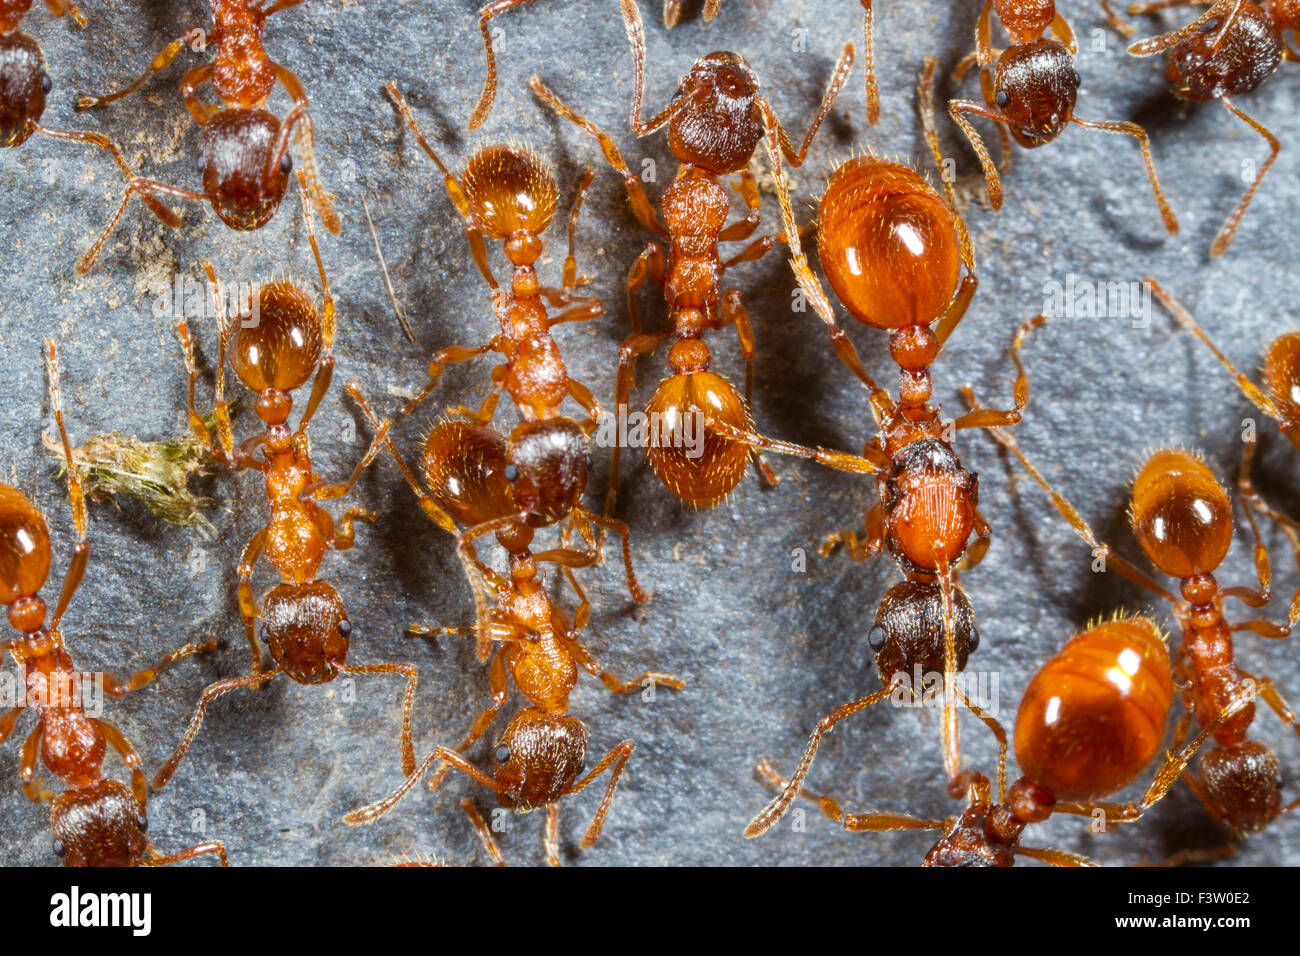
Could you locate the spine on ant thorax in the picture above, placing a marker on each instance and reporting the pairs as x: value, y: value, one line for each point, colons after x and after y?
x: 1218, y: 680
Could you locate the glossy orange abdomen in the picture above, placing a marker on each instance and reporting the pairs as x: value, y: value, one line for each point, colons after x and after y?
x: 888, y: 244
x: 1181, y: 515
x: 695, y: 464
x: 1094, y: 716
x: 24, y: 546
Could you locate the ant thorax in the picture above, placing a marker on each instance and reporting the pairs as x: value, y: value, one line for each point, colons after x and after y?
x: 23, y: 85
x: 929, y: 501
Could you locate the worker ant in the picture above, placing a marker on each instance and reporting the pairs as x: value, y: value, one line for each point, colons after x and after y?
x: 1228, y: 50
x: 1090, y: 722
x: 95, y: 820
x: 715, y: 122
x: 1031, y: 89
x: 1182, y: 519
x: 244, y: 158
x: 303, y: 621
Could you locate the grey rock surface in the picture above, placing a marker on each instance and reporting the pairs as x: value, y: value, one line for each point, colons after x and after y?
x: 766, y: 650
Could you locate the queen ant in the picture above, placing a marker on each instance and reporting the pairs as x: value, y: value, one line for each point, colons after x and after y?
x: 95, y: 820
x: 244, y: 159
x: 1182, y: 519
x: 1090, y: 722
x: 1228, y: 50
x: 303, y: 621
x: 509, y: 195
x: 715, y: 122
x: 1030, y: 90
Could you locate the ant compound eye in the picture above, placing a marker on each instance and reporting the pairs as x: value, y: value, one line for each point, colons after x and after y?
x: 46, y: 83
x: 876, y: 637
x: 974, y: 640
x: 345, y: 627
x: 1002, y: 98
x: 512, y: 474
x: 503, y: 754
x: 59, y: 849
x: 142, y: 822
x: 286, y: 164
x: 1280, y: 782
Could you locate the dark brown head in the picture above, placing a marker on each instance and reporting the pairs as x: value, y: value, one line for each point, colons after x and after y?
x: 306, y: 630
x: 908, y: 632
x: 1035, y: 87
x: 23, y: 85
x: 1205, y: 67
x: 244, y: 166
x: 547, y: 466
x: 718, y: 122
x: 969, y: 843
x: 538, y: 758
x: 1243, y: 784
x: 930, y: 503
x: 101, y: 825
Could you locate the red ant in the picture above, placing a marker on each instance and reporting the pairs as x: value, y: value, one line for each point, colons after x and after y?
x: 715, y: 122
x: 1182, y: 518
x: 24, y: 84
x: 1228, y: 50
x: 304, y: 624
x: 894, y: 251
x: 507, y: 194
x: 1030, y: 91
x: 542, y: 752
x: 96, y: 821
x: 1091, y: 720
x: 244, y: 149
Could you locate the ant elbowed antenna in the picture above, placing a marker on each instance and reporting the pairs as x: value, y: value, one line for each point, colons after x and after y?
x: 715, y: 122
x: 1031, y: 89
x: 1228, y: 50
x: 244, y: 159
x: 303, y: 621
x: 95, y: 820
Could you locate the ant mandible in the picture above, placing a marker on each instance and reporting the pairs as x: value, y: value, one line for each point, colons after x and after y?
x: 1090, y: 722
x: 1031, y: 89
x: 715, y: 122
x: 1220, y: 60
x: 244, y: 156
x: 96, y: 821
x: 304, y: 623
x: 1182, y: 519
x: 894, y: 250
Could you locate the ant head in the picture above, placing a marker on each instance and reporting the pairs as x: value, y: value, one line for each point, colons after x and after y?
x: 1285, y: 13
x: 930, y: 503
x: 23, y: 85
x: 1204, y: 67
x: 509, y: 190
x: 1282, y: 374
x: 547, y: 465
x: 1025, y: 20
x: 1244, y: 784
x: 1036, y: 87
x: 971, y: 842
x: 100, y: 825
x: 281, y: 346
x: 242, y: 176
x: 1181, y: 515
x: 1093, y: 717
x: 538, y: 758
x: 24, y: 554
x: 306, y: 630
x: 888, y: 243
x: 908, y: 632
x: 465, y: 470
x: 717, y: 123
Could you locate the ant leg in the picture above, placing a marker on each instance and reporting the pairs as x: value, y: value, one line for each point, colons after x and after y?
x: 451, y: 355
x: 635, y: 345
x: 773, y: 812
x: 468, y: 559
x: 551, y: 834
x: 612, y: 680
x: 1063, y: 32
x: 499, y: 688
x: 1163, y: 42
x: 990, y: 418
x: 325, y: 370
x: 119, y: 742
x: 571, y: 277
x: 615, y: 759
x: 1122, y: 28
x: 638, y: 593
x: 344, y: 536
x: 949, y: 722
x: 1054, y: 857
x: 1138, y: 133
x: 374, y: 811
x: 838, y: 79
x: 247, y: 603
x: 63, y: 7
x: 300, y: 118
x: 1252, y: 501
x: 987, y: 58
x: 488, y: 96
x: 220, y: 410
x: 672, y: 13
x: 212, y: 846
x: 408, y: 703
x: 191, y: 83
x: 7, y: 721
x: 868, y: 60
x: 925, y: 93
x: 1266, y: 689
x: 839, y: 460
x: 196, y: 722
x: 324, y: 492
x: 742, y: 229
x: 76, y: 497
x: 143, y: 187
x: 635, y: 31
x: 872, y: 543
x: 143, y: 678
x: 999, y: 733
x: 858, y: 822
x: 281, y: 5
x: 641, y: 206
x: 650, y: 263
x: 1224, y: 238
x: 582, y: 395
x: 484, y: 832
x: 160, y: 62
x: 27, y: 766
x: 956, y: 109
x: 733, y: 313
